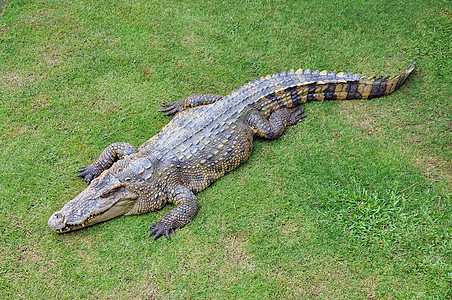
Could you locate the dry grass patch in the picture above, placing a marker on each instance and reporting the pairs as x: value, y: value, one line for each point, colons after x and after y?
x: 39, y: 102
x: 14, y: 131
x: 435, y: 169
x: 288, y: 228
x: 236, y: 254
x: 51, y: 59
x: 13, y: 80
x: 136, y: 290
x: 324, y: 278
x: 363, y: 116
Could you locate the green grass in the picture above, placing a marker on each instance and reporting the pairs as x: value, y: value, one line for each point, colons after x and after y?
x: 353, y: 203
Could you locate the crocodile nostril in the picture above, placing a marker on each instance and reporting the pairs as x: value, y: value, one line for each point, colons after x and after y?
x: 57, y: 221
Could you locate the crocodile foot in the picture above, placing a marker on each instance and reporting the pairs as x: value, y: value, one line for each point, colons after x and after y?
x: 172, y: 108
x: 159, y: 229
x: 296, y: 116
x: 88, y: 173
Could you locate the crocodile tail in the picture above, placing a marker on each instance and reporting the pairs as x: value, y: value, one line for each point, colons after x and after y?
x: 331, y: 86
x: 371, y: 87
x: 290, y: 89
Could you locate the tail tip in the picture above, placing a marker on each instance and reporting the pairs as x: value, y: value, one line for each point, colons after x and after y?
x: 411, y: 67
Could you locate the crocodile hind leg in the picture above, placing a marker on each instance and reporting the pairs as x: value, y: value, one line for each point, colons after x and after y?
x: 189, y: 102
x: 185, y: 211
x: 274, y: 127
x: 111, y: 154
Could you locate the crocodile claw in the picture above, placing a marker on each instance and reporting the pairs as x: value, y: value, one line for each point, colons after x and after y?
x: 87, y: 173
x: 171, y: 109
x: 160, y: 229
x: 297, y: 116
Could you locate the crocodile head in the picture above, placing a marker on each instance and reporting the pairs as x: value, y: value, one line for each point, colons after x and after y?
x: 105, y: 198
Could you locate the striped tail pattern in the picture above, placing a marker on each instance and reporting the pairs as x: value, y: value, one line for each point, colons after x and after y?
x: 290, y: 89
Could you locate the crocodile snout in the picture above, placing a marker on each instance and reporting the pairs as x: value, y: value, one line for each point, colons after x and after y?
x: 57, y: 221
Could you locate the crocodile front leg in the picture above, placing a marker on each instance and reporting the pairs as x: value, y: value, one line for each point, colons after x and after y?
x: 185, y: 211
x: 189, y: 102
x: 111, y: 154
x: 274, y: 127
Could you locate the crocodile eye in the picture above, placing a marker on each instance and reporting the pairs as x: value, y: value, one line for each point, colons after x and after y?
x: 108, y: 192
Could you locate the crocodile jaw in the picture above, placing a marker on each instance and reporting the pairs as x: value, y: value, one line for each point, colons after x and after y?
x: 94, y: 205
x: 61, y: 222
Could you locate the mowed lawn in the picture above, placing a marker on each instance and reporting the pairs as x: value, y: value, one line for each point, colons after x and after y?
x: 353, y: 203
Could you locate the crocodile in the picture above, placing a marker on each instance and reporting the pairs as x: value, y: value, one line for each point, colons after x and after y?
x: 209, y: 136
